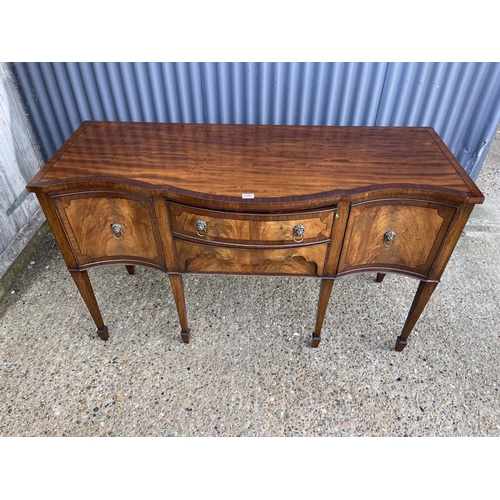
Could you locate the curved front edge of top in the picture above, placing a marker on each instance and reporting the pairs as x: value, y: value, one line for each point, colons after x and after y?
x: 254, y: 203
x: 318, y: 200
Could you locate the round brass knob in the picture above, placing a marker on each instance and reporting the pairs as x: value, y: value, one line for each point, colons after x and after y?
x: 117, y: 230
x: 201, y: 227
x: 298, y: 233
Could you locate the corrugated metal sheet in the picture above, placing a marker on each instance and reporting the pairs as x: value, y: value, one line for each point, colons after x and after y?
x: 460, y: 100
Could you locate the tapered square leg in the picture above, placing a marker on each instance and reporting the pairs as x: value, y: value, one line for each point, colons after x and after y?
x: 130, y: 269
x: 82, y: 281
x: 380, y: 277
x: 180, y: 303
x: 422, y: 296
x: 324, y: 297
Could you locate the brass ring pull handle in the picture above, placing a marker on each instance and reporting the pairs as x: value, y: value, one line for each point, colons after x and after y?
x: 201, y: 228
x: 298, y: 232
x: 117, y: 230
x: 389, y: 238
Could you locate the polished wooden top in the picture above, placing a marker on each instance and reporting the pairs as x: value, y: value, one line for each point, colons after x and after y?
x: 272, y: 163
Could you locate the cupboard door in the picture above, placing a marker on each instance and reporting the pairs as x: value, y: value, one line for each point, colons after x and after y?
x: 110, y: 227
x: 401, y: 235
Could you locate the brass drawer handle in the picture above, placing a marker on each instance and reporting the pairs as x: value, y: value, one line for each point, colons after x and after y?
x: 117, y: 229
x: 298, y: 232
x: 389, y: 238
x: 201, y: 228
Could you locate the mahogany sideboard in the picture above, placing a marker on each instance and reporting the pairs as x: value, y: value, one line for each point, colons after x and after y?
x: 309, y: 201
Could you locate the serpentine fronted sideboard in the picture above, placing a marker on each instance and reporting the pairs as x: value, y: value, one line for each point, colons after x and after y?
x: 308, y: 201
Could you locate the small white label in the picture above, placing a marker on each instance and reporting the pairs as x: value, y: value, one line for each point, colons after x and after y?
x: 247, y: 196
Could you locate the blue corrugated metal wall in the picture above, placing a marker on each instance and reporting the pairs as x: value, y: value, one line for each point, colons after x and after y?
x: 460, y: 100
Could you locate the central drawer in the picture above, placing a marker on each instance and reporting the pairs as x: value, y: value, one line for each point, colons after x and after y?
x: 251, y: 229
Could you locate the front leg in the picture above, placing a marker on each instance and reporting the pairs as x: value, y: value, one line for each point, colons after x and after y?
x: 180, y: 303
x: 324, y: 296
x: 424, y: 292
x: 82, y: 281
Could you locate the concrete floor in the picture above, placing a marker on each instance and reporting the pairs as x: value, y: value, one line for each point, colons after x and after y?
x: 250, y: 370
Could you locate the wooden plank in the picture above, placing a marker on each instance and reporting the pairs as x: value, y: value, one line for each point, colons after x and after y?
x: 19, y: 161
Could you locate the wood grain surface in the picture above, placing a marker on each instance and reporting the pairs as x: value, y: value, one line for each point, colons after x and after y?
x: 303, y: 261
x: 271, y: 163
